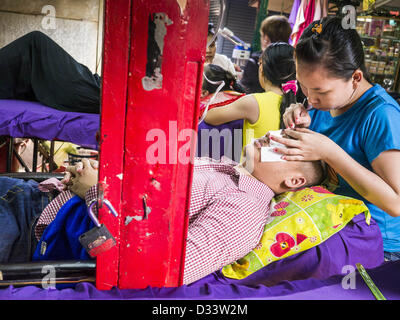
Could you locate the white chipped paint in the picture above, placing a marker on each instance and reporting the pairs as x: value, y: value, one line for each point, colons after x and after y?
x: 182, y: 5
x: 128, y: 219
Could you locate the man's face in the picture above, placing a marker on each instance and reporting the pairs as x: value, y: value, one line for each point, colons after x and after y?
x: 211, y: 49
x: 280, y: 176
x: 252, y: 158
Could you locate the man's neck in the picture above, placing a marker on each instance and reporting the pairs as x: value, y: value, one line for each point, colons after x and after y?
x: 243, y: 170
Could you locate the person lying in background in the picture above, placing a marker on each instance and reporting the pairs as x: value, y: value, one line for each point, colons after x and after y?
x: 229, y: 204
x: 35, y: 68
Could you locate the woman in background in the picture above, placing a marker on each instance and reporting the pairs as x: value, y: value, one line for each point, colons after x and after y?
x: 263, y: 112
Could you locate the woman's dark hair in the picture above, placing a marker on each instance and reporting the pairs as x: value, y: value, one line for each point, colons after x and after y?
x: 327, y: 43
x: 215, y: 74
x: 279, y: 68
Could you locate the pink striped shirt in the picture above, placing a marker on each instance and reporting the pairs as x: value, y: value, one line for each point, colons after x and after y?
x: 227, y: 215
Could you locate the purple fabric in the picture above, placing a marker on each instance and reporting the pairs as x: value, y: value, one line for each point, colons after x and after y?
x: 228, y: 135
x: 293, y: 15
x: 25, y: 119
x: 313, y: 274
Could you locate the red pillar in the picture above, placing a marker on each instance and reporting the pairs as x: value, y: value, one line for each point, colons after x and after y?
x: 151, y: 131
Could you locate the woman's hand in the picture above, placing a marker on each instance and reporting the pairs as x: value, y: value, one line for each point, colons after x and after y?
x: 296, y: 116
x: 305, y: 145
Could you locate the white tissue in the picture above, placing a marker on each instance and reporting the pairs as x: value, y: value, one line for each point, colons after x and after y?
x: 267, y: 153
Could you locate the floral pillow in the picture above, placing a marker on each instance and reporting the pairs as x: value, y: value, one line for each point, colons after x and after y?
x: 302, y: 219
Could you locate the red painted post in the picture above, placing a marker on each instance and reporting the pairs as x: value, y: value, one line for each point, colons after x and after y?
x: 114, y: 91
x: 152, y: 245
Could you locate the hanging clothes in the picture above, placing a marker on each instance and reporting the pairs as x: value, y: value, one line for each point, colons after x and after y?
x: 321, y: 9
x: 317, y: 11
x: 307, y: 12
x: 300, y: 18
x: 293, y: 16
x: 308, y: 18
x: 293, y: 12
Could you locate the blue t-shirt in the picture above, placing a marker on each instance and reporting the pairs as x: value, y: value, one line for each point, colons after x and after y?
x: 369, y: 127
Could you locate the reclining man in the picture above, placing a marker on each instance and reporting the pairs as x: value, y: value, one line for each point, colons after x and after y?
x: 229, y: 204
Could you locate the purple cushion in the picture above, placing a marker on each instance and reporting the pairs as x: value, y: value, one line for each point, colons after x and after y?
x: 28, y: 119
x: 313, y: 274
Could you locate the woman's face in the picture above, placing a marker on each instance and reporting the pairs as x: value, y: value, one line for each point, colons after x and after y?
x: 211, y: 49
x: 323, y: 91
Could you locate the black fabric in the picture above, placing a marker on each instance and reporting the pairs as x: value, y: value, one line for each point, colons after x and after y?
x: 36, y: 68
x: 250, y: 74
